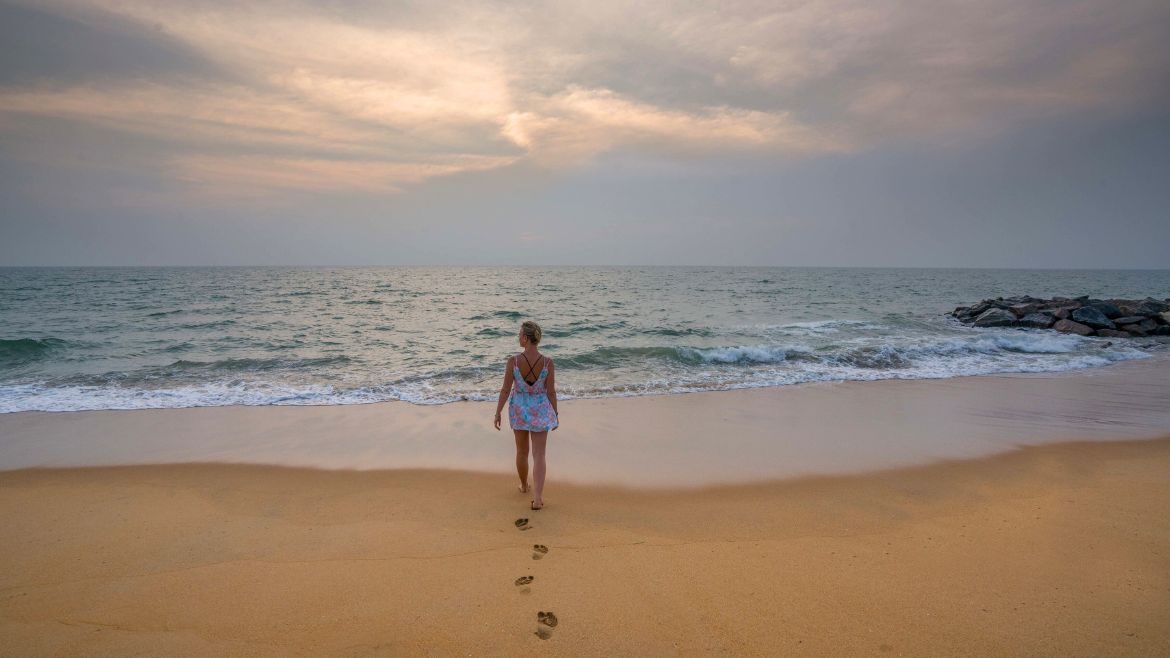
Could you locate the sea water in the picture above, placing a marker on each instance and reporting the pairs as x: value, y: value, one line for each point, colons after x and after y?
x: 124, y: 338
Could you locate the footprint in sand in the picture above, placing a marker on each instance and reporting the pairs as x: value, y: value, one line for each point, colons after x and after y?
x: 546, y: 619
x: 539, y: 551
x: 522, y: 524
x: 522, y: 582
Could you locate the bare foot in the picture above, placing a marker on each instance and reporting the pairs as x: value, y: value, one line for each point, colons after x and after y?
x: 523, y: 487
x: 536, y: 505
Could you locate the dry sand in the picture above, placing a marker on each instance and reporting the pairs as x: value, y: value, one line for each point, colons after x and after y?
x: 1055, y: 550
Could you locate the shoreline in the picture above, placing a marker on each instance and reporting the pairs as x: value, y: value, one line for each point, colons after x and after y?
x: 1060, y: 549
x: 669, y: 441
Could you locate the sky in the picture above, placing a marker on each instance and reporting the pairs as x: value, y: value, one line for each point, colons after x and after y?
x: 917, y: 133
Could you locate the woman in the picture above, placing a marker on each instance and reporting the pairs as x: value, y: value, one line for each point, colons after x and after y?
x: 532, y: 411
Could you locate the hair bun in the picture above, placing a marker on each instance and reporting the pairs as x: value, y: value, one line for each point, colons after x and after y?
x: 532, y: 331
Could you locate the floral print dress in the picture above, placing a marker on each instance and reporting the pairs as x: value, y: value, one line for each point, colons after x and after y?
x: 529, y: 407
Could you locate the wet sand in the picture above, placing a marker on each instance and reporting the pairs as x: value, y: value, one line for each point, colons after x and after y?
x: 1054, y: 550
x: 671, y: 441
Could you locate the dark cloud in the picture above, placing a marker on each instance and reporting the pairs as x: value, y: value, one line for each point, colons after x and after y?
x: 43, y: 47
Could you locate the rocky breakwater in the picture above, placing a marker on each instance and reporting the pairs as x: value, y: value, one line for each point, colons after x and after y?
x: 1113, y: 318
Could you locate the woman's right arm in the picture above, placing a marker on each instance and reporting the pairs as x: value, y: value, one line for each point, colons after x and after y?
x: 504, y: 391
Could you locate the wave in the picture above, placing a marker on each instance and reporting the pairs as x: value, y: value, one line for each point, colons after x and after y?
x: 617, y: 356
x: 184, y: 371
x: 580, y: 327
x: 865, y: 352
x: 210, y: 324
x: 258, y: 365
x: 421, y: 389
x: 16, y: 398
x: 508, y: 315
x: 678, y: 333
x: 20, y: 351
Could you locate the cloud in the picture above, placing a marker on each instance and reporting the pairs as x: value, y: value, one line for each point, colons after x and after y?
x: 581, y: 122
x: 380, y: 97
x: 247, y: 176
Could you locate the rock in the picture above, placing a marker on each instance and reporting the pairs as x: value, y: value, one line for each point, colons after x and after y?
x: 1020, y: 310
x: 1037, y: 320
x: 979, y: 308
x: 1083, y: 315
x: 995, y: 317
x: 1150, y: 306
x: 1068, y: 326
x: 1108, y: 310
x: 1093, y: 317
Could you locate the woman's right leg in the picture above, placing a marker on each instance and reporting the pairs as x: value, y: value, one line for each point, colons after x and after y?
x: 522, y: 457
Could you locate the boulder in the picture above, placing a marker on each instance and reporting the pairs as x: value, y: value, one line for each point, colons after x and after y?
x: 1093, y: 317
x: 1068, y: 326
x: 995, y: 317
x: 979, y: 308
x: 1082, y: 315
x: 1020, y: 310
x: 1108, y: 310
x: 1149, y: 306
x: 1037, y: 320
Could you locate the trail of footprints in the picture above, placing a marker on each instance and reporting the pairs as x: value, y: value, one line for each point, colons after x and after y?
x: 547, y: 620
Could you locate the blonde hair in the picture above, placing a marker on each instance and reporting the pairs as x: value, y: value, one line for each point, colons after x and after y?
x: 532, y: 331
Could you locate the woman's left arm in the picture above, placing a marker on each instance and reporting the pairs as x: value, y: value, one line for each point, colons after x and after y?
x: 552, y: 388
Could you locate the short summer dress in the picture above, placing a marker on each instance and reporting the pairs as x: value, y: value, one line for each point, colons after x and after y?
x: 529, y: 407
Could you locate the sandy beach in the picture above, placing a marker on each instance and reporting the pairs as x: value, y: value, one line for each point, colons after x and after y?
x: 1055, y: 550
x: 999, y: 515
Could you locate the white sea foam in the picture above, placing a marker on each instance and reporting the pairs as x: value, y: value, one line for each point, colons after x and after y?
x: 768, y: 366
x: 741, y: 354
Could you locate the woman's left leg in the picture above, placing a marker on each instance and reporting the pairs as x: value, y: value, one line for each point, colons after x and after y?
x: 539, y: 440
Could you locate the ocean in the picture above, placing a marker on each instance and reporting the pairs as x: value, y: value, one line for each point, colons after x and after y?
x: 130, y: 338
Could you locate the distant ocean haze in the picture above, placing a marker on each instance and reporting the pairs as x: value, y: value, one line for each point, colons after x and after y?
x: 124, y: 338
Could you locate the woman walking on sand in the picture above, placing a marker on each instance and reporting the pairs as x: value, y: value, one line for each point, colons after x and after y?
x: 532, y: 411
